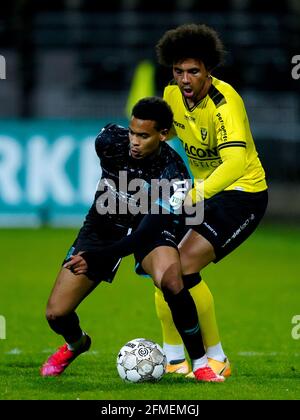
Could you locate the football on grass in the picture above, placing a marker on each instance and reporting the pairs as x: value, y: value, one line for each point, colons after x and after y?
x: 141, y: 360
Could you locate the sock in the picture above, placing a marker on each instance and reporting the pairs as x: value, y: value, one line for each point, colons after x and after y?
x: 204, y: 302
x: 185, y: 318
x: 77, y: 344
x: 199, y: 363
x: 169, y: 332
x: 216, y: 352
x: 206, y: 313
x: 67, y: 326
x: 174, y: 352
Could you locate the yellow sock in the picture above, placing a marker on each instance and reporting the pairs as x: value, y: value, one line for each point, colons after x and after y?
x: 204, y: 302
x: 169, y: 331
x: 206, y: 312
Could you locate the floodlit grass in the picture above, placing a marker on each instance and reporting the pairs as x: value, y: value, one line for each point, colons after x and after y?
x: 256, y: 292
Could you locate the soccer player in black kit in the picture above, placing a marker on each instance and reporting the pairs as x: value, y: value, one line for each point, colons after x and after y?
x: 138, y: 153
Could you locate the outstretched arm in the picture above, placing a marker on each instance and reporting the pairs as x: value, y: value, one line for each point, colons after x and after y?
x: 148, y: 229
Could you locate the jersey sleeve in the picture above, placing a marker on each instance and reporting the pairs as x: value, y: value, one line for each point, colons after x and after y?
x: 232, y: 168
x: 230, y: 123
x: 108, y: 141
x: 103, y: 140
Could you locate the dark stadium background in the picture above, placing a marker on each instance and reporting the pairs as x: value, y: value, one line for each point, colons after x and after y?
x: 75, y: 60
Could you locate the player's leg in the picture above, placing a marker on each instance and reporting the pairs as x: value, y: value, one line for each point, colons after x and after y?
x: 196, y: 252
x: 69, y: 290
x: 230, y: 218
x: 163, y: 265
x: 172, y: 342
x: 202, y: 253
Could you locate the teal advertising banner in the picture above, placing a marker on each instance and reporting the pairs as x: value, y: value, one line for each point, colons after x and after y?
x: 49, y: 170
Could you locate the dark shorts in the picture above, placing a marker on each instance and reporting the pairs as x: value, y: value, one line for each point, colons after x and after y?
x: 229, y: 219
x: 166, y: 238
x: 93, y: 238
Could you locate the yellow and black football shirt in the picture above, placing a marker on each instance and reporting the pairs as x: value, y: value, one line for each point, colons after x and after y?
x: 216, y: 131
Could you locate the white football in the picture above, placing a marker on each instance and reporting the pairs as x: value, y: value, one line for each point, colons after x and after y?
x: 141, y: 360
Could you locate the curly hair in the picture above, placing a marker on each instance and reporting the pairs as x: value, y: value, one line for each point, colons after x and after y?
x: 191, y: 41
x: 155, y: 109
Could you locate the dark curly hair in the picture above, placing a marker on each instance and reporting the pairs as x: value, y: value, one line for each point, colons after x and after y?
x: 155, y: 109
x: 191, y: 41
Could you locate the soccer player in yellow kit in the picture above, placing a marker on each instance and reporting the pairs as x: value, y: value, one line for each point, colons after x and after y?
x: 211, y: 121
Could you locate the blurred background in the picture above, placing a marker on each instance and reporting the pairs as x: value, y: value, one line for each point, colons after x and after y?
x: 68, y: 67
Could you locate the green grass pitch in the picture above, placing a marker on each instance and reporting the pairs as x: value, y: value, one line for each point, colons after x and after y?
x: 256, y: 292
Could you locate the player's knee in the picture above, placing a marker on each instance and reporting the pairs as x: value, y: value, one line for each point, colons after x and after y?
x: 156, y: 276
x: 193, y: 260
x: 171, y: 284
x: 62, y: 323
x: 160, y: 276
x: 194, y: 257
x: 51, y: 317
x: 54, y: 314
x: 187, y: 258
x: 54, y: 321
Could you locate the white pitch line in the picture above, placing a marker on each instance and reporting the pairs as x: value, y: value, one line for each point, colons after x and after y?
x: 17, y: 351
x: 14, y: 351
x: 90, y: 353
x: 260, y: 353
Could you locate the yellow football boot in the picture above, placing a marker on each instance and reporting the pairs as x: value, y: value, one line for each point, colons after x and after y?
x: 180, y: 368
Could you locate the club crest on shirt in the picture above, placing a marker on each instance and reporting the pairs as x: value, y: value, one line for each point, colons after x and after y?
x: 203, y: 132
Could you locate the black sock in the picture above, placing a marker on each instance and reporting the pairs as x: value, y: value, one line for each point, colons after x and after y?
x: 67, y: 326
x: 191, y: 280
x: 185, y: 318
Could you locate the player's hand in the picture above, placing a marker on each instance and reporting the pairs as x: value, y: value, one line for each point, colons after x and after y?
x: 77, y: 265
